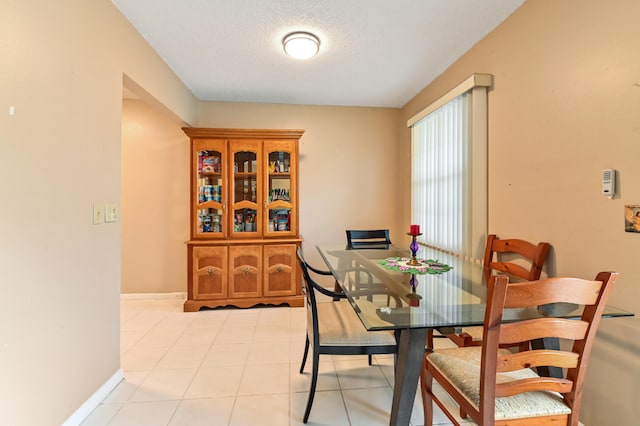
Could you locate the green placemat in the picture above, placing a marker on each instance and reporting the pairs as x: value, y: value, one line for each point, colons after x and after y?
x: 427, y: 266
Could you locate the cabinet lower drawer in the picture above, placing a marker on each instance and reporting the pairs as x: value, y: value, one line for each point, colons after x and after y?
x: 243, y: 275
x: 245, y: 266
x: 280, y: 270
x: 209, y: 273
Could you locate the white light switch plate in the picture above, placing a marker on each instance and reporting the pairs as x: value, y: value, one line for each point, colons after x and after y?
x: 111, y: 213
x: 98, y: 214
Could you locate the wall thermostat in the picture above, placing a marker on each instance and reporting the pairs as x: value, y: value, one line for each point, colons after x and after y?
x: 608, y: 182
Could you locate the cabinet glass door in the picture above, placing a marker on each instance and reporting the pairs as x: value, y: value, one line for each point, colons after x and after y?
x: 246, y: 215
x: 280, y: 192
x: 209, y: 189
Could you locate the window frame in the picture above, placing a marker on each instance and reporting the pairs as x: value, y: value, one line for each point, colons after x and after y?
x: 477, y: 86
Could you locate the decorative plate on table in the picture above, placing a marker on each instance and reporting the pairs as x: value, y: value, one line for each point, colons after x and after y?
x: 427, y: 266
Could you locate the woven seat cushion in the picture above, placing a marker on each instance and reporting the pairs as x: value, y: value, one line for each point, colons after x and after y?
x: 475, y: 332
x: 462, y: 367
x: 339, y: 325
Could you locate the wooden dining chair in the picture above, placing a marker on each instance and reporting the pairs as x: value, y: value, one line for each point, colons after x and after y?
x: 514, y: 256
x: 495, y: 386
x: 334, y: 328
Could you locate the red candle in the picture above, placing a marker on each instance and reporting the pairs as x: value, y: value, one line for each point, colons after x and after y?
x: 415, y: 229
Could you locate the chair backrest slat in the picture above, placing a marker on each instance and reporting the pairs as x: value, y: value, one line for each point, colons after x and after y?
x: 541, y: 328
x: 368, y: 238
x: 529, y: 385
x: 534, y: 254
x: 541, y: 358
x: 552, y: 290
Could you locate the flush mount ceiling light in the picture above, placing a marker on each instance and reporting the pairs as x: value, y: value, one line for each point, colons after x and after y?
x: 301, y: 45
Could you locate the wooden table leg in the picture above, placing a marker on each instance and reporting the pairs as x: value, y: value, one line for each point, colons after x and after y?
x: 411, y: 344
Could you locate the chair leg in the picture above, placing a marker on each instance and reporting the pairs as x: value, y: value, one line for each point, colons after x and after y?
x: 304, y: 357
x: 430, y: 339
x: 370, y: 357
x: 336, y: 289
x: 463, y: 414
x: 314, y: 382
x: 426, y: 384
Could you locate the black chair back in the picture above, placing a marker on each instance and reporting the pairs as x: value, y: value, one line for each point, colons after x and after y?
x: 310, y: 287
x: 368, y: 239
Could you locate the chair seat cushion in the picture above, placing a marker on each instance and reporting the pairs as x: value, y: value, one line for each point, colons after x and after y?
x: 339, y: 325
x: 462, y: 367
x: 474, y: 332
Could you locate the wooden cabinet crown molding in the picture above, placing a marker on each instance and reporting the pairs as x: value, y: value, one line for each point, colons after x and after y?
x: 202, y: 132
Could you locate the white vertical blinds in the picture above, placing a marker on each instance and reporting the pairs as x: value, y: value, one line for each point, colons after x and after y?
x: 440, y: 157
x: 449, y: 171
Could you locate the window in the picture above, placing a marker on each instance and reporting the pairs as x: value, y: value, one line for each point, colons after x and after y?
x: 449, y: 169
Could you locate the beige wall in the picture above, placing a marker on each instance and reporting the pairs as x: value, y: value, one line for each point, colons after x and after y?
x: 347, y: 164
x: 155, y: 201
x: 62, y: 69
x: 565, y: 106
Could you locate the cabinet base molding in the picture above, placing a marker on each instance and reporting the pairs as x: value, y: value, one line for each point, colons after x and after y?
x: 196, y: 305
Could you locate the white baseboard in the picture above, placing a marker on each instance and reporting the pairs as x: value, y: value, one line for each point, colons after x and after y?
x: 90, y: 404
x: 134, y: 296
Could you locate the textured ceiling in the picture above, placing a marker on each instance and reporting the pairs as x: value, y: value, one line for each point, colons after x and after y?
x: 377, y: 53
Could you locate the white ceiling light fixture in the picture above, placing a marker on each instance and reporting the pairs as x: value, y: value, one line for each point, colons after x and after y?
x: 301, y: 45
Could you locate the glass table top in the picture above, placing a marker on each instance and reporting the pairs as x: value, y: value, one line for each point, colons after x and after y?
x: 386, y: 299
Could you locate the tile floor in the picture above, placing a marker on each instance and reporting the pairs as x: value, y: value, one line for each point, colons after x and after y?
x: 237, y: 367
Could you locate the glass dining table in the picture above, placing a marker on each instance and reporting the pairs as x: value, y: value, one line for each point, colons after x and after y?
x: 444, y: 292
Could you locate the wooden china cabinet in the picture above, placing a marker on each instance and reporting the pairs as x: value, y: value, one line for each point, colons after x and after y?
x: 244, y: 218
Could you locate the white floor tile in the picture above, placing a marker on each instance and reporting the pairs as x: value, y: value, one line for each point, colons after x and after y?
x: 130, y: 338
x: 259, y: 380
x: 226, y: 354
x: 163, y: 385
x: 277, y: 352
x: 210, y: 319
x: 368, y: 407
x: 275, y: 316
x: 126, y: 388
x: 161, y: 337
x: 142, y: 357
x: 297, y: 348
x: 177, y: 321
x: 102, y: 415
x: 359, y: 374
x: 198, y: 335
x: 182, y: 357
x: 386, y: 363
x: 145, y: 413
x: 203, y: 412
x: 235, y: 333
x: 263, y: 410
x: 327, y: 409
x: 243, y: 317
x: 272, y: 332
x: 239, y: 367
x: 215, y: 382
x: 327, y: 377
